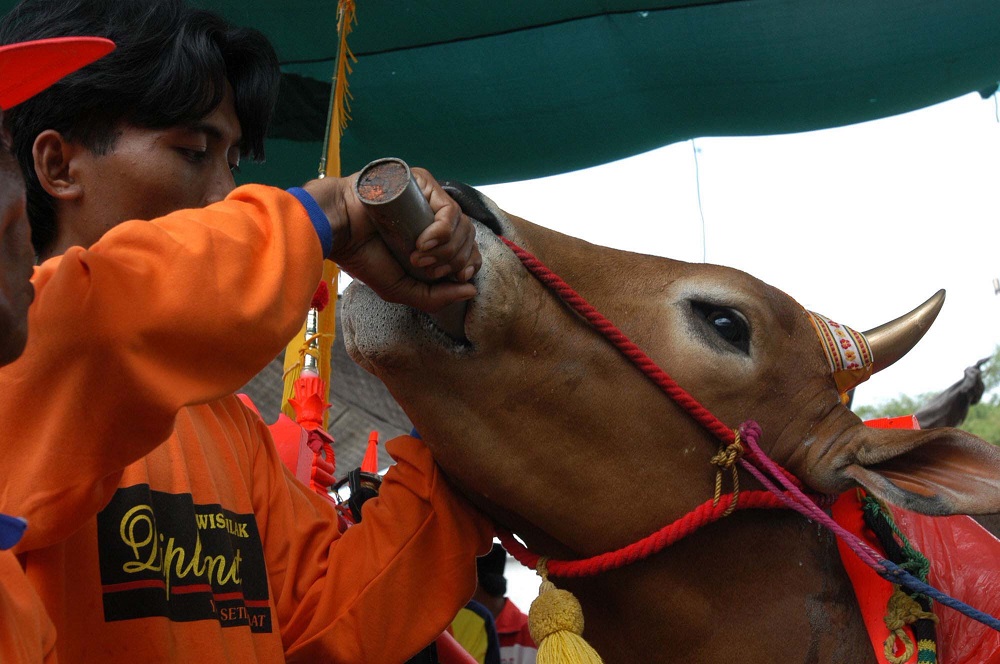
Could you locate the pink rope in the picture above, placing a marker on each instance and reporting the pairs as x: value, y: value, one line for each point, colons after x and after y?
x: 796, y: 499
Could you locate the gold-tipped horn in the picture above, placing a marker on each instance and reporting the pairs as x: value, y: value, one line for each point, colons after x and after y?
x: 891, y: 341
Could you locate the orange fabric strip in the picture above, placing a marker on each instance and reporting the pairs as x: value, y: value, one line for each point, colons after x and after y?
x: 871, y: 590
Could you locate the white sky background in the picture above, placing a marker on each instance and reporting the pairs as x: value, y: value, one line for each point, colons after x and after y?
x: 860, y: 223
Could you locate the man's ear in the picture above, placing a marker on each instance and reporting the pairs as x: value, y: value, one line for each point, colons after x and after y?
x: 54, y: 165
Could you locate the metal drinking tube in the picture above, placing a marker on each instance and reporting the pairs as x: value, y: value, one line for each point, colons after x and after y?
x: 400, y: 213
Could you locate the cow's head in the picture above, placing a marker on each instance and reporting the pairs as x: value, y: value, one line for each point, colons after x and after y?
x: 547, y: 427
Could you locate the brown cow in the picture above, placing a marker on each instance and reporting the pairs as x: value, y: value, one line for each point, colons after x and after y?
x: 554, y: 434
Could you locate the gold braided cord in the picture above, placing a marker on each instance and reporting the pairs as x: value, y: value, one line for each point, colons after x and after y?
x: 307, y: 348
x: 542, y: 567
x: 889, y: 648
x: 725, y: 459
x: 903, y: 610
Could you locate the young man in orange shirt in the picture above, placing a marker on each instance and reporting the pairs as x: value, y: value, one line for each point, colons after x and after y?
x: 164, y: 525
x: 26, y: 633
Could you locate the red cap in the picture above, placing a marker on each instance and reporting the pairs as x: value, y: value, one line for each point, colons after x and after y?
x: 27, y: 68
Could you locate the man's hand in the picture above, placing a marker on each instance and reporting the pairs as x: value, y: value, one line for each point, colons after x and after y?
x: 446, y: 248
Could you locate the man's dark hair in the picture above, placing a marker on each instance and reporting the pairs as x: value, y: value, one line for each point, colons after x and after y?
x: 490, y: 571
x: 169, y: 69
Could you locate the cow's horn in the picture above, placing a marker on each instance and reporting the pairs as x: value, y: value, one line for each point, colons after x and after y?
x: 891, y: 341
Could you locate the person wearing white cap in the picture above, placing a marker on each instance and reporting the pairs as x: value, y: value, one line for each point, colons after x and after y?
x: 26, y: 632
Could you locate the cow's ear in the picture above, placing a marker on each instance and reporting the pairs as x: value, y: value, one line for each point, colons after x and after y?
x: 936, y: 471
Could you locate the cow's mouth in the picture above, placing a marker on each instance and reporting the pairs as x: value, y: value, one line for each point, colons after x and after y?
x: 446, y: 337
x: 388, y: 336
x: 453, y: 321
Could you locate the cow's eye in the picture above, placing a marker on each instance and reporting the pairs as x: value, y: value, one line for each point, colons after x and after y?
x: 728, y: 323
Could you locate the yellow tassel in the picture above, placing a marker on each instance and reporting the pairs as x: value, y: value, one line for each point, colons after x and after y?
x: 338, y: 116
x: 323, y: 339
x: 340, y: 104
x: 556, y: 623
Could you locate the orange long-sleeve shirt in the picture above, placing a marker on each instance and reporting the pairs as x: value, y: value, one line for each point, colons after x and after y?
x: 27, y: 635
x: 205, y: 548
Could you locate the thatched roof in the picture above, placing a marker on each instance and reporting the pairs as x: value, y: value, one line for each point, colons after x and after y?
x: 361, y: 404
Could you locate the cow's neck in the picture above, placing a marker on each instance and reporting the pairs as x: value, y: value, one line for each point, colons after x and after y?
x: 759, y: 586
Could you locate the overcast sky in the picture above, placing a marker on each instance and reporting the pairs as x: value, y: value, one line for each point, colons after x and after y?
x: 860, y: 223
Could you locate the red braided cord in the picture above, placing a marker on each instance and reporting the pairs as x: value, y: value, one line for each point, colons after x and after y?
x: 702, y: 415
x: 703, y: 515
x: 321, y: 478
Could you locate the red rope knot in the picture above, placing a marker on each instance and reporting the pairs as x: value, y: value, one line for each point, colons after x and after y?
x: 725, y: 459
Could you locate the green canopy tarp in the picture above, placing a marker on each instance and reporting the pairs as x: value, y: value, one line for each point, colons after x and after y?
x: 497, y: 91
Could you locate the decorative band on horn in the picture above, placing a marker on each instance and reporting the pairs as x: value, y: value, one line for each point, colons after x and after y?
x: 847, y: 351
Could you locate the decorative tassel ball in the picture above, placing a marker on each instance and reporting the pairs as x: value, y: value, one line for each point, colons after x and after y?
x: 321, y: 297
x: 556, y: 623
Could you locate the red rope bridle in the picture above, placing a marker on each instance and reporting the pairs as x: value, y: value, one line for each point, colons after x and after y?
x: 706, y: 513
x: 554, y: 282
x: 783, y: 489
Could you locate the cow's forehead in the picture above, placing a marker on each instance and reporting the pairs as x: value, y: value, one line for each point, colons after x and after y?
x: 849, y: 357
x: 726, y: 286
